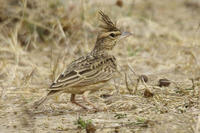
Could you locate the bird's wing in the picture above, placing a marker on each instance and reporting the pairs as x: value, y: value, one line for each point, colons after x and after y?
x: 85, y: 71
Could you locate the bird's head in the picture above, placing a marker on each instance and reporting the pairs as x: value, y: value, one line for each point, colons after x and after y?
x: 109, y: 34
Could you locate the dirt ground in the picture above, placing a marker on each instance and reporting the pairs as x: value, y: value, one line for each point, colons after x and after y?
x: 39, y: 38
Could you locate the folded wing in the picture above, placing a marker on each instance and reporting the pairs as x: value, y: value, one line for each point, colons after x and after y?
x: 85, y: 72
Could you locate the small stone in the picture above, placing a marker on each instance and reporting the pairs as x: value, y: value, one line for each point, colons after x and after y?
x: 119, y: 3
x: 90, y: 128
x: 105, y: 95
x: 144, y: 77
x: 164, y: 82
x: 147, y: 93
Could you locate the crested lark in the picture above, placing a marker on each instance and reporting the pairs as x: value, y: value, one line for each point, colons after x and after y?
x: 91, y: 72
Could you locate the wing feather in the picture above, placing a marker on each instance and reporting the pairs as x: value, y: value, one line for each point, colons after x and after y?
x: 84, y: 73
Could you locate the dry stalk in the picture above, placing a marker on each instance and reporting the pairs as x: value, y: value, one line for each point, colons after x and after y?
x: 28, y: 77
x: 55, y: 65
x: 36, y: 24
x: 193, y: 86
x: 137, y: 83
x: 132, y: 70
x: 127, y: 86
x: 197, y: 128
x: 64, y: 36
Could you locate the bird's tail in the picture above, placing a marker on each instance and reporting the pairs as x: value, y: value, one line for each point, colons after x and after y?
x: 43, y: 99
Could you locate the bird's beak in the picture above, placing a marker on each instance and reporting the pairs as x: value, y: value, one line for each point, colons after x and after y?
x: 125, y: 34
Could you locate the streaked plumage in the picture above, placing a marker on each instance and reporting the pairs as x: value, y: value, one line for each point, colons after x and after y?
x: 90, y: 72
x: 85, y: 71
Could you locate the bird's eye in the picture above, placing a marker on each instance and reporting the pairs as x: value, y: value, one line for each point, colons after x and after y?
x: 112, y: 34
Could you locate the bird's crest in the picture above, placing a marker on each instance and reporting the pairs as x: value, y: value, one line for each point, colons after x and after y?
x: 107, y: 25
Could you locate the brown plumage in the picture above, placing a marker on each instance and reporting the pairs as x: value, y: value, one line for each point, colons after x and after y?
x: 90, y: 72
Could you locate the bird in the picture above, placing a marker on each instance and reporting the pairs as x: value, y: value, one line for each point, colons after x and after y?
x: 92, y: 71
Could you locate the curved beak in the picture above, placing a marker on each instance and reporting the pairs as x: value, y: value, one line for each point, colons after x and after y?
x: 125, y: 34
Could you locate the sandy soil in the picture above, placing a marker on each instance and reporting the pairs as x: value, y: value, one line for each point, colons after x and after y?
x: 39, y: 38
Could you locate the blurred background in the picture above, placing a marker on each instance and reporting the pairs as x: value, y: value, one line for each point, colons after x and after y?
x: 39, y: 38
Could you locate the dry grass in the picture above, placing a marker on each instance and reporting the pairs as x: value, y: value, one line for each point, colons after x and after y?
x: 39, y: 38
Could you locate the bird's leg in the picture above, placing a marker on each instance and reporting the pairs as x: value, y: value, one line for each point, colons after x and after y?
x: 85, y: 99
x: 72, y: 99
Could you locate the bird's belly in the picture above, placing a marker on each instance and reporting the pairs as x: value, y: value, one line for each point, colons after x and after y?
x: 82, y: 89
